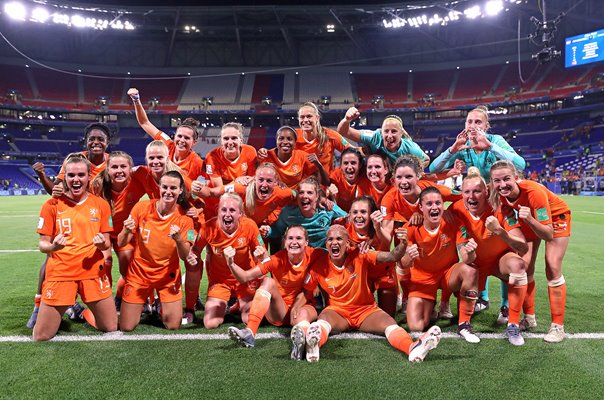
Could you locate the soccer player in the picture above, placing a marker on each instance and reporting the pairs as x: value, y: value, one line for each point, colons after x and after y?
x: 543, y: 216
x: 163, y: 236
x: 363, y: 225
x: 312, y: 138
x: 377, y: 183
x: 262, y: 198
x: 280, y: 298
x: 97, y: 136
x: 391, y: 140
x: 293, y: 165
x: 74, y: 230
x: 434, y: 263
x: 181, y: 148
x: 307, y: 213
x: 230, y: 229
x: 345, y: 178
x: 115, y: 185
x: 478, y: 148
x: 342, y: 273
x: 501, y: 245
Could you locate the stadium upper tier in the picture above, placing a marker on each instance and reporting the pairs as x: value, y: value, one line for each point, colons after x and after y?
x: 244, y: 91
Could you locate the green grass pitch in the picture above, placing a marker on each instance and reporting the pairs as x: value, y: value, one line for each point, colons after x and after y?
x: 358, y: 369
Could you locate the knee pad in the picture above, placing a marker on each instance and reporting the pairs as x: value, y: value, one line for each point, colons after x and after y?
x: 263, y: 293
x: 556, y: 282
x: 470, y: 294
x: 518, y: 279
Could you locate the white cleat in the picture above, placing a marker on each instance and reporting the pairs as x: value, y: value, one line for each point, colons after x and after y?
x: 298, y: 343
x: 313, y: 339
x: 528, y: 322
x: 556, y: 334
x: 426, y: 342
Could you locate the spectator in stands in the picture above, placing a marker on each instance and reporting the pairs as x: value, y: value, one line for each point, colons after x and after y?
x: 181, y: 148
x: 476, y: 147
x: 391, y: 140
x: 314, y: 138
x: 293, y: 165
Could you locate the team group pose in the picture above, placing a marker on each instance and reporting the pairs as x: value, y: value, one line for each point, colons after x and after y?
x: 372, y: 225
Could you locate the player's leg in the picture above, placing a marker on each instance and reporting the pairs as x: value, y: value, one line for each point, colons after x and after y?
x: 31, y: 322
x: 463, y: 279
x: 214, y: 312
x: 528, y: 307
x: 300, y: 320
x: 193, y: 274
x: 318, y: 332
x: 554, y: 254
x: 512, y: 269
x: 49, y: 320
x: 419, y: 311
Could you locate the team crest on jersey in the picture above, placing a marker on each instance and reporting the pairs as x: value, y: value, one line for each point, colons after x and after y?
x: 49, y: 293
x: 445, y: 240
x: 296, y: 169
x: 241, y: 241
x: 93, y: 212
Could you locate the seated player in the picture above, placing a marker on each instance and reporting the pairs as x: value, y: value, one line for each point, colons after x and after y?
x: 342, y: 273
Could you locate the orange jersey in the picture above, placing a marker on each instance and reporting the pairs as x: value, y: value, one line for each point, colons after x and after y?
x: 347, y: 286
x: 543, y: 204
x: 267, y: 211
x: 366, y: 188
x: 122, y: 203
x: 244, y: 240
x: 192, y: 164
x: 289, y: 277
x: 218, y: 166
x: 94, y: 169
x: 437, y: 250
x: 393, y: 202
x: 155, y: 260
x: 346, y: 192
x: 294, y: 170
x: 357, y: 239
x: 79, y: 223
x: 326, y: 155
x: 144, y: 176
x: 490, y: 246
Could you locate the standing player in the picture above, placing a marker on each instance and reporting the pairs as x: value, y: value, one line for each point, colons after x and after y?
x: 543, y: 216
x: 163, y: 235
x: 74, y: 231
x: 391, y: 140
x: 280, y: 299
x: 230, y: 229
x: 292, y: 165
x: 342, y: 273
x: 181, y: 148
x: 312, y: 138
x: 434, y: 263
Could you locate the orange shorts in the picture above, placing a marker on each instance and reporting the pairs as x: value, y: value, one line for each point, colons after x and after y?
x: 231, y: 288
x: 63, y: 293
x: 562, y: 224
x: 128, y: 246
x: 355, y: 316
x: 486, y: 269
x: 136, y: 293
x: 385, y: 280
x: 426, y: 289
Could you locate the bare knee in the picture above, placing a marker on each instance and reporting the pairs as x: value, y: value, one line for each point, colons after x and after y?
x: 212, y: 323
x: 42, y: 336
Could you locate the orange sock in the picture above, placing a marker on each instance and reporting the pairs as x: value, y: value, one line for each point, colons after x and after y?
x: 119, y: 292
x: 37, y: 300
x: 260, y: 305
x: 529, y: 300
x: 89, y: 317
x: 557, y: 299
x: 398, y: 338
x: 466, y: 309
x: 517, y: 285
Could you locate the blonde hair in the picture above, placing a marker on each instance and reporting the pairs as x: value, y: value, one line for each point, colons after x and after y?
x: 321, y: 134
x: 235, y: 197
x: 494, y: 198
x: 484, y: 110
x: 74, y: 158
x: 235, y: 125
x: 399, y: 121
x: 170, y: 166
x: 250, y: 190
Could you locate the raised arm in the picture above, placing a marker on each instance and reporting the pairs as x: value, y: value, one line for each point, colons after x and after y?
x: 398, y: 252
x: 514, y: 238
x: 344, y: 128
x: 141, y: 115
x: 242, y: 276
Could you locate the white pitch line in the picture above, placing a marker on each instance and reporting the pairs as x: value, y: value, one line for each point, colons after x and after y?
x: 18, y: 251
x: 19, y: 215
x: 120, y: 337
x: 593, y: 212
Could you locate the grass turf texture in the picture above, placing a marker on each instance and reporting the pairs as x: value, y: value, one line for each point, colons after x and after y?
x: 348, y: 368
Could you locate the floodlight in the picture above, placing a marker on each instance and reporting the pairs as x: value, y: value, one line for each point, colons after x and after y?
x: 40, y: 15
x: 472, y: 12
x: 15, y: 10
x: 493, y: 7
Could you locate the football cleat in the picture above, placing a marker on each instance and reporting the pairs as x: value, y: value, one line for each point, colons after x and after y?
x: 465, y: 331
x: 514, y: 336
x: 298, y: 343
x: 504, y: 314
x: 556, y: 334
x: 528, y: 322
x: 313, y: 340
x: 426, y: 342
x: 31, y: 322
x: 244, y: 337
